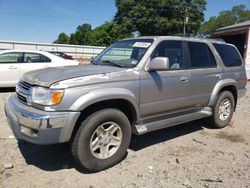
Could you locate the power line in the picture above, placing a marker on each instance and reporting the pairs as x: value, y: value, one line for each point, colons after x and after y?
x: 162, y: 7
x: 47, y: 16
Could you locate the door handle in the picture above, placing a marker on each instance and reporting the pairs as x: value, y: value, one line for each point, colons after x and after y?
x: 184, y: 79
x: 12, y: 67
x: 218, y: 76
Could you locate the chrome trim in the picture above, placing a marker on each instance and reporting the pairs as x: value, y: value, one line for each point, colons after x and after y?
x: 24, y: 91
x: 41, y: 122
x: 38, y: 126
x: 37, y: 119
x: 164, y: 123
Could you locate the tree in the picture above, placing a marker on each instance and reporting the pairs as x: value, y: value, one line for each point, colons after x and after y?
x: 62, y: 39
x: 143, y: 17
x: 159, y: 17
x: 106, y: 34
x: 81, y: 36
x: 225, y: 18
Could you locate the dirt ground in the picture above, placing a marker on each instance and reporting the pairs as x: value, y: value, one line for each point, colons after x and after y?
x: 188, y: 155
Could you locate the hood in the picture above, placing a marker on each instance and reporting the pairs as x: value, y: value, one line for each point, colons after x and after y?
x: 46, y: 77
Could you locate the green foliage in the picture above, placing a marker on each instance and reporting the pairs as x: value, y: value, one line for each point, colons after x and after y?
x: 62, y: 39
x: 159, y: 17
x: 103, y: 35
x: 146, y: 17
x: 225, y: 18
x: 106, y: 34
x: 81, y: 36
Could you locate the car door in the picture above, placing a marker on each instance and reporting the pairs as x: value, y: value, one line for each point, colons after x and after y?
x: 165, y: 92
x: 33, y: 61
x: 9, y: 69
x: 204, y: 73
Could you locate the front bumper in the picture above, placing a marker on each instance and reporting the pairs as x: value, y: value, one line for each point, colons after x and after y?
x: 37, y: 126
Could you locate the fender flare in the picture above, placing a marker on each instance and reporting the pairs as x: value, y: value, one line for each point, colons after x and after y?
x: 218, y: 87
x: 93, y: 97
x: 104, y: 94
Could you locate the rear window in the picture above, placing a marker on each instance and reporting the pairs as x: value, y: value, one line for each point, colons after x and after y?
x: 228, y: 54
x: 35, y: 58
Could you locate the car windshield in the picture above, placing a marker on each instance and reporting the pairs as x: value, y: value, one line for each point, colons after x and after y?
x: 126, y: 53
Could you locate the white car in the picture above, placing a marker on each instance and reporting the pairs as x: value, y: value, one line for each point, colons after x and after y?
x: 13, y: 63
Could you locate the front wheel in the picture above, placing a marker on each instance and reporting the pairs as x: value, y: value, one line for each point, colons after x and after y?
x: 102, y: 140
x: 223, y: 110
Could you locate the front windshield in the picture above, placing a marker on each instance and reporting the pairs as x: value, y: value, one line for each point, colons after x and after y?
x: 127, y: 53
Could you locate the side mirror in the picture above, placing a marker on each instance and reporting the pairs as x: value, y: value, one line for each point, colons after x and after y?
x: 158, y: 64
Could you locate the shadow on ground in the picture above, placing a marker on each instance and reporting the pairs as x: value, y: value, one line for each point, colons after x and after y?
x: 57, y: 157
x: 164, y: 135
x: 49, y: 158
x: 7, y: 90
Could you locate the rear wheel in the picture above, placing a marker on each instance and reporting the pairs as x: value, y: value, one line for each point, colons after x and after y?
x: 223, y: 110
x: 102, y: 140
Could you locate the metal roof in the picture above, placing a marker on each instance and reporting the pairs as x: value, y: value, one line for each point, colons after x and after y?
x: 245, y: 24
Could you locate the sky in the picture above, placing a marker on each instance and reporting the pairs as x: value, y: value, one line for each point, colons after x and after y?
x: 43, y: 20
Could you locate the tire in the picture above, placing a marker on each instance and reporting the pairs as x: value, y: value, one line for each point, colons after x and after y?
x: 96, y: 146
x: 221, y: 117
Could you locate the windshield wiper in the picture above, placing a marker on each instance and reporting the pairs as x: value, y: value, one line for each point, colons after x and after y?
x: 113, y: 63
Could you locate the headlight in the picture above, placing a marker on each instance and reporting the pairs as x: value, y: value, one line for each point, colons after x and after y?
x: 46, y: 96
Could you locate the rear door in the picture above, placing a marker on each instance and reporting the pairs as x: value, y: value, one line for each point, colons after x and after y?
x: 204, y: 73
x: 9, y: 69
x: 233, y: 63
x: 33, y: 61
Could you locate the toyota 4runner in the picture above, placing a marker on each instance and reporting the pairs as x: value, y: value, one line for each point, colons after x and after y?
x: 133, y: 87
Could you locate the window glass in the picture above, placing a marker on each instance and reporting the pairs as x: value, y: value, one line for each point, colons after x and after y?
x: 12, y: 57
x: 228, y: 54
x: 200, y: 55
x: 173, y: 50
x: 118, y: 54
x: 127, y: 53
x: 35, y: 58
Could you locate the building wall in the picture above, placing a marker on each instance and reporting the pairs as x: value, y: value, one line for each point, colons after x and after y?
x: 247, y: 59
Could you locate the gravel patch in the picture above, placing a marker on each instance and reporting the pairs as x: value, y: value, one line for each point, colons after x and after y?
x: 188, y: 155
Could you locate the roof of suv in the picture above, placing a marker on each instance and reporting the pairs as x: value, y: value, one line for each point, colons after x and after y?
x: 179, y: 38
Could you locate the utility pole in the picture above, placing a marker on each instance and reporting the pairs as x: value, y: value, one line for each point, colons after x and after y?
x: 186, y: 18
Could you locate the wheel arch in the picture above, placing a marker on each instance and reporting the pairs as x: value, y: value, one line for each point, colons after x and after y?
x: 123, y: 105
x: 224, y: 85
x: 121, y: 99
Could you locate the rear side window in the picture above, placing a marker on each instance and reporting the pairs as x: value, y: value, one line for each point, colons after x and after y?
x: 201, y: 55
x: 35, y: 58
x: 228, y: 54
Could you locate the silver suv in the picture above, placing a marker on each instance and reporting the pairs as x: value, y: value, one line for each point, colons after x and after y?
x: 133, y: 87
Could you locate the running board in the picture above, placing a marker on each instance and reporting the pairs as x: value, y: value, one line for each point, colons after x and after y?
x: 156, y: 125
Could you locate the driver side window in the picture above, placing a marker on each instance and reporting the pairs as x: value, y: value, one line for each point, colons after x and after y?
x: 173, y: 50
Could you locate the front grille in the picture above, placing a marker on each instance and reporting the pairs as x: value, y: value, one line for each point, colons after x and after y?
x: 22, y: 98
x: 24, y: 85
x: 23, y: 91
